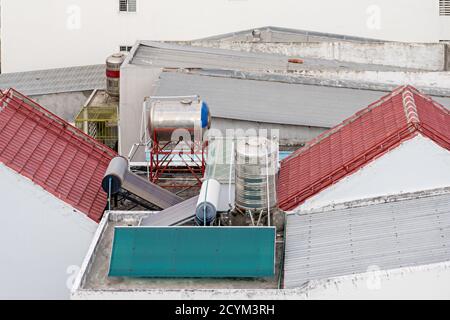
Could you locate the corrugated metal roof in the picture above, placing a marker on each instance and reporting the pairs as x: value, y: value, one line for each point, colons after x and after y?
x: 350, y: 240
x: 41, y: 82
x: 165, y: 55
x: 269, y: 101
x: 358, y: 140
x: 53, y: 154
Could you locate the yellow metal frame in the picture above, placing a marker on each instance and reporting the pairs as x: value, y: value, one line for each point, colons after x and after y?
x: 101, y: 123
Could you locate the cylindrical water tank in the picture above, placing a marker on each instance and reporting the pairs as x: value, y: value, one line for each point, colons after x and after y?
x: 113, y: 64
x: 174, y: 120
x: 115, y: 175
x: 208, y: 201
x: 256, y: 168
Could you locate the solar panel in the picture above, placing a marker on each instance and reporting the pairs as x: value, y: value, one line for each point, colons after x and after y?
x: 193, y: 252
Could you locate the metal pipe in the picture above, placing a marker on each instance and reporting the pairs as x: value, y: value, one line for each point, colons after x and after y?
x: 268, y: 189
x: 109, y: 194
x: 231, y: 172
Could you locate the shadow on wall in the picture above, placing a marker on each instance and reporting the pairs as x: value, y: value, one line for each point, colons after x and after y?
x: 65, y: 105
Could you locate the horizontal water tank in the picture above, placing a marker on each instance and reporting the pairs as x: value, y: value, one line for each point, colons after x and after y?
x: 174, y: 120
x: 208, y: 202
x: 118, y: 177
x: 113, y: 64
x: 256, y: 168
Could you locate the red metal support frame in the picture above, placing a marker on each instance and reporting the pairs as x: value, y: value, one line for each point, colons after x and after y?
x: 162, y: 162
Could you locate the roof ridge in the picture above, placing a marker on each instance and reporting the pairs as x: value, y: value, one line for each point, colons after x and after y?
x: 409, y: 105
x: 429, y: 99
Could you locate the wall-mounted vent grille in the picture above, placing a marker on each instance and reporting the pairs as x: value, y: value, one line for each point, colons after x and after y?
x: 127, y: 5
x: 125, y: 48
x: 444, y: 7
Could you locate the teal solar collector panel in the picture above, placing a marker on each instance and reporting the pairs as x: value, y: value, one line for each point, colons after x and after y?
x: 193, y: 252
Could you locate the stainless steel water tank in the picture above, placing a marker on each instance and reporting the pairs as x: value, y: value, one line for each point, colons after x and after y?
x: 256, y: 167
x: 113, y: 64
x: 173, y: 120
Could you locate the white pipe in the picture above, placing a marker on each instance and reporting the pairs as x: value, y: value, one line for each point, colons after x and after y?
x: 169, y: 98
x: 268, y: 189
x: 260, y: 216
x: 230, y: 175
x: 251, y: 217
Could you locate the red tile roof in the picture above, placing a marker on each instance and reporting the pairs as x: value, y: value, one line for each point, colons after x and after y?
x: 53, y: 154
x: 368, y: 134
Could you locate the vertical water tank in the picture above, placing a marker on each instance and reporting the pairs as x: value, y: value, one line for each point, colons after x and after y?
x: 208, y: 202
x: 256, y: 168
x: 113, y: 64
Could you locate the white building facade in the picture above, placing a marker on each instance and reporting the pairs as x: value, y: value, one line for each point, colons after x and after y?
x: 60, y: 33
x: 43, y: 240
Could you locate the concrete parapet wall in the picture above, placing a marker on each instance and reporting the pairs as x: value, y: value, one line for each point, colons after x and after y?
x: 423, y: 56
x: 447, y: 57
x: 434, y: 83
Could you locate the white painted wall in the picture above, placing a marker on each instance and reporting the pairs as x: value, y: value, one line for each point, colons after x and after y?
x: 417, y: 164
x: 136, y: 84
x: 425, y: 282
x: 423, y: 56
x: 444, y: 27
x: 419, y: 79
x: 58, y: 33
x: 422, y: 282
x: 42, y: 240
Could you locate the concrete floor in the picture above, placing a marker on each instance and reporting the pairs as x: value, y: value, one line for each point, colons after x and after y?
x: 96, y: 278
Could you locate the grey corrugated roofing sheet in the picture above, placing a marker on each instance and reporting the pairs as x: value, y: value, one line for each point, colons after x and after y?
x: 268, y: 101
x: 60, y: 80
x: 279, y: 34
x: 443, y: 100
x: 159, y: 54
x: 410, y: 232
x: 271, y: 101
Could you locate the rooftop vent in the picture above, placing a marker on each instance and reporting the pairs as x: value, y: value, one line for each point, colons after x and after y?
x: 256, y: 34
x: 127, y: 5
x: 444, y: 7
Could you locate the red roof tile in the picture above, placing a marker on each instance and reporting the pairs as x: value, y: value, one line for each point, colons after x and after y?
x: 53, y: 154
x: 358, y: 140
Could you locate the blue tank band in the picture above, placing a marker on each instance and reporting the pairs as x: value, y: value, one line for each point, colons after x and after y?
x: 205, y: 115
